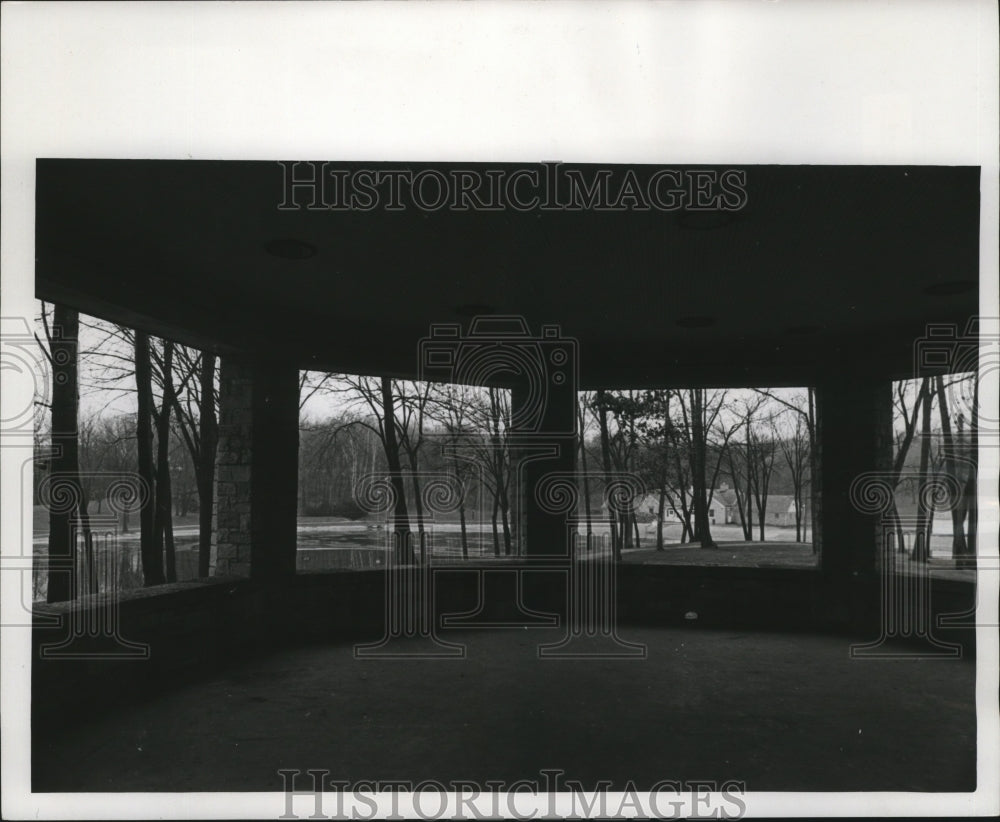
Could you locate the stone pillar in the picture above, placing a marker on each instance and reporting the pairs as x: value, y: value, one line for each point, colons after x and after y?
x: 854, y: 436
x: 256, y: 476
x: 543, y: 441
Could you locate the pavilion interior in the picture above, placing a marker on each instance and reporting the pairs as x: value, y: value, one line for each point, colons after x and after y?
x: 828, y: 277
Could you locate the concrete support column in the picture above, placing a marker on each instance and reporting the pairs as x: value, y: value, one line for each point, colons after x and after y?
x: 854, y: 435
x: 543, y: 444
x: 256, y: 477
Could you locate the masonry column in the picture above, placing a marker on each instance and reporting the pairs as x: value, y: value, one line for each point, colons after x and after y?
x: 543, y: 443
x: 256, y: 468
x: 854, y: 436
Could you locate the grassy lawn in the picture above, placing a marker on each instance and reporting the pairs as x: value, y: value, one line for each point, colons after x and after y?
x: 334, y: 543
x: 743, y: 554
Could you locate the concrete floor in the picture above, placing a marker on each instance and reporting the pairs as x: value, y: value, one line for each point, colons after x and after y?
x: 778, y: 712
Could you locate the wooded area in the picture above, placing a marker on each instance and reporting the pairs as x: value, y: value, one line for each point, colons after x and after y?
x: 704, y: 456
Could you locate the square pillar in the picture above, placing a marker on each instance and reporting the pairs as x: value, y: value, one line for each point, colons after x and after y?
x: 854, y: 437
x: 256, y: 476
x: 543, y: 454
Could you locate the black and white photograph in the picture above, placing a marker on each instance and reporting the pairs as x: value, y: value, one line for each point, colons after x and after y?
x: 499, y: 410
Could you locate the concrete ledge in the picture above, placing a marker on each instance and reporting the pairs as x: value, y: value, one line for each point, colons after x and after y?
x: 191, y: 628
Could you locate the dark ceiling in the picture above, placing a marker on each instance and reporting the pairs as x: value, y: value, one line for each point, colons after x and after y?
x: 825, y: 268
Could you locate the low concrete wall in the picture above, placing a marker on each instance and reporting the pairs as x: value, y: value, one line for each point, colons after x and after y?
x: 191, y: 628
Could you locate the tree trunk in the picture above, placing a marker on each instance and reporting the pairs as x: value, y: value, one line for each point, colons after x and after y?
x: 959, y: 546
x: 90, y: 563
x: 602, y: 419
x: 496, y: 532
x: 741, y: 508
x: 65, y: 465
x: 461, y: 516
x: 497, y: 469
x: 505, y: 521
x: 586, y: 481
x: 150, y: 549
x: 813, y: 472
x: 921, y: 548
x: 687, y: 529
x: 661, y: 510
x: 162, y: 522
x: 168, y: 542
x: 402, y: 549
x: 701, y: 525
x: 798, y: 514
x: 419, y: 505
x: 749, y: 494
x: 206, y: 461
x: 972, y: 481
x: 761, y: 473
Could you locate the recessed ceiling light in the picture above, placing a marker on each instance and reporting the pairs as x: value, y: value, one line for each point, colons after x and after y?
x: 290, y: 249
x: 704, y: 220
x: 474, y: 309
x: 696, y: 322
x: 950, y: 287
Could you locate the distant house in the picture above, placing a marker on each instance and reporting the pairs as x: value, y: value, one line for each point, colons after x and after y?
x: 780, y: 511
x: 726, y: 497
x: 721, y: 508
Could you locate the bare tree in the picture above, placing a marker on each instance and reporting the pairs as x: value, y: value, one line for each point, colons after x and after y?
x: 699, y: 412
x: 601, y: 411
x: 921, y: 543
x: 795, y: 447
x: 453, y: 406
x: 627, y: 409
x: 495, y: 419
x: 150, y: 550
x: 163, y: 528
x: 197, y: 420
x: 581, y: 407
x: 806, y: 411
x: 656, y: 429
x: 958, y: 466
x: 739, y: 457
x: 387, y: 424
x: 744, y: 488
x: 412, y: 403
x: 907, y: 415
x: 63, y: 354
x: 377, y: 395
x: 971, y: 490
x: 763, y: 450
